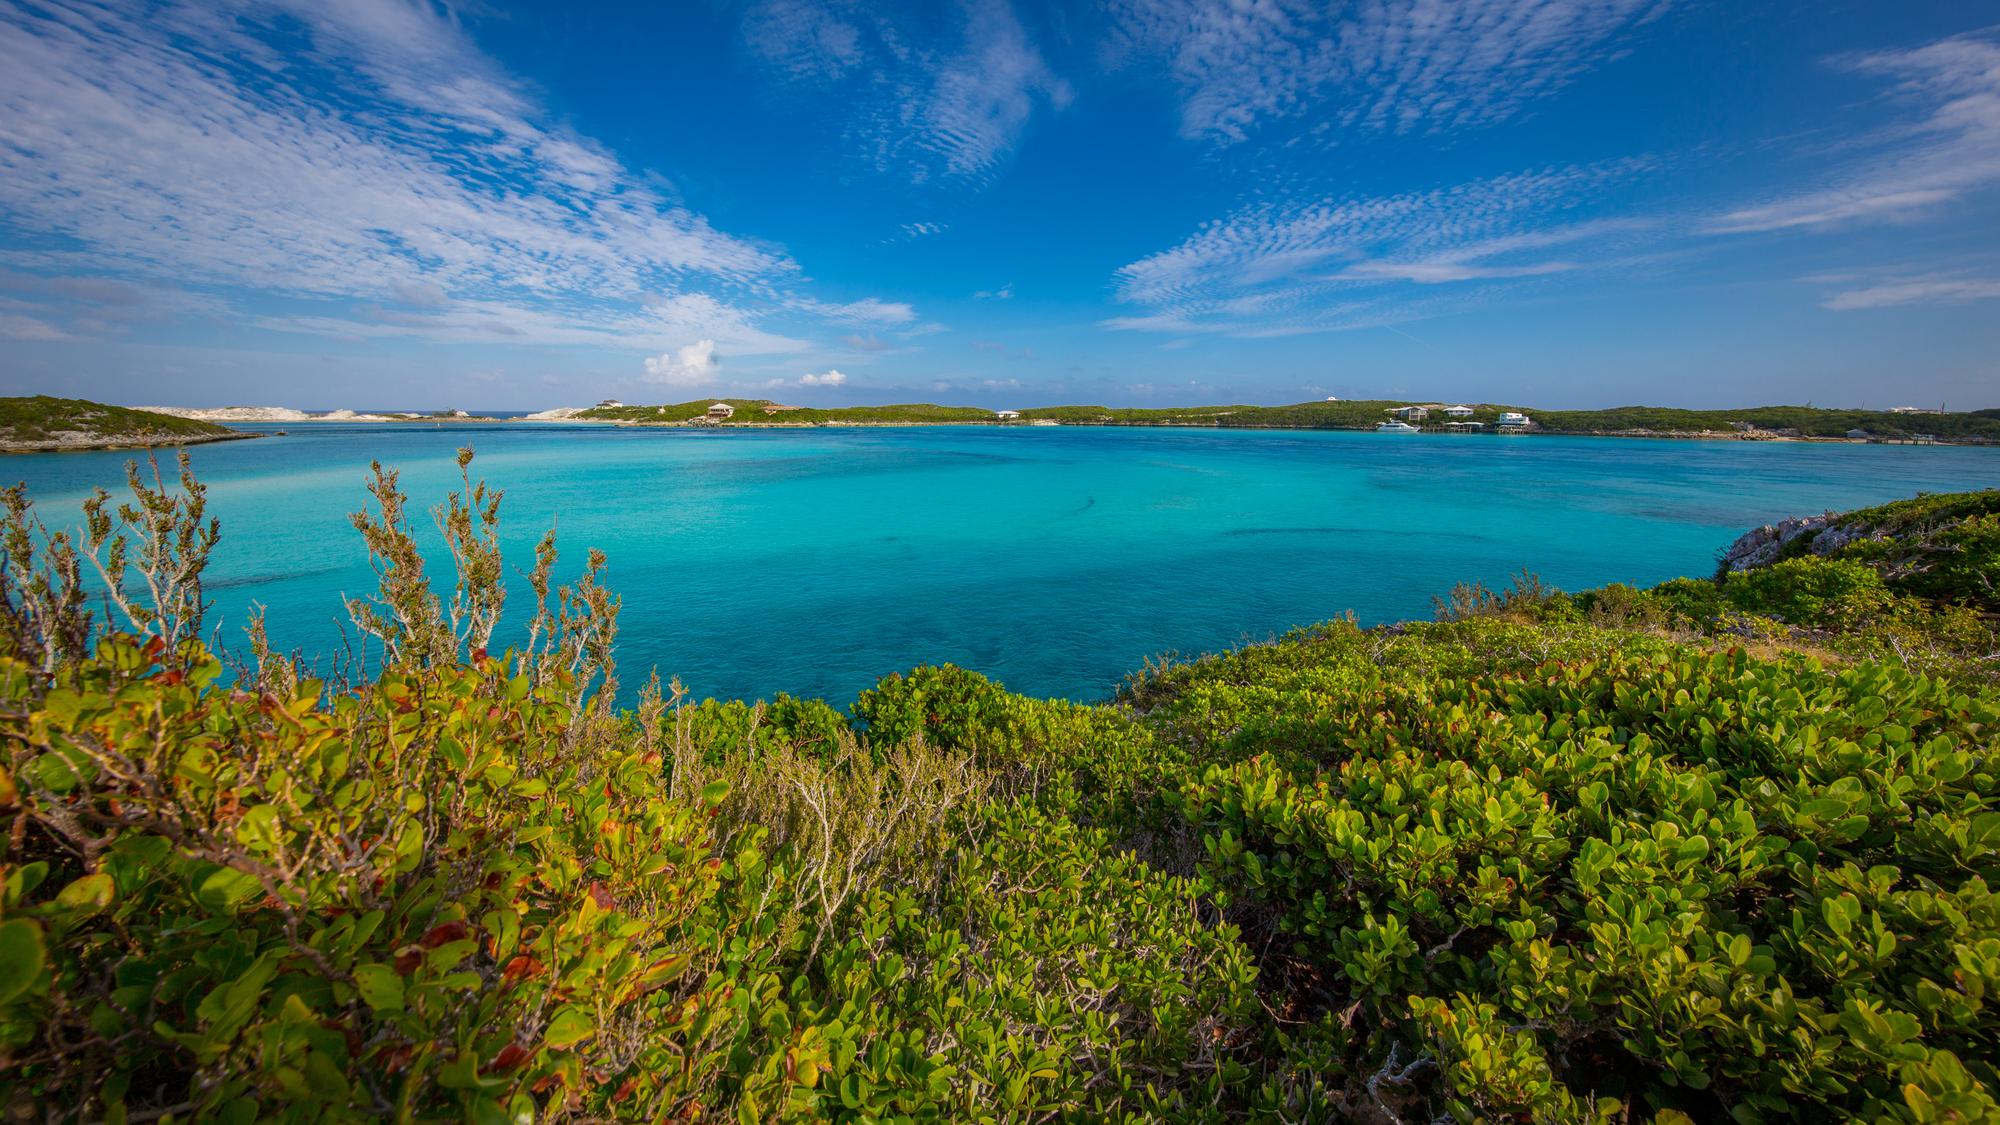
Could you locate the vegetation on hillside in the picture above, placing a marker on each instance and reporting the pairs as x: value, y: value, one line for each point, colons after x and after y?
x: 1520, y: 864
x: 1916, y: 582
x: 757, y: 411
x: 1802, y: 421
x: 43, y: 421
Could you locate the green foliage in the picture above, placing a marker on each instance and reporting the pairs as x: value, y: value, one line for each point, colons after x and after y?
x: 1059, y: 978
x: 1942, y: 547
x: 1681, y: 881
x: 40, y: 419
x: 1353, y: 414
x: 1829, y: 593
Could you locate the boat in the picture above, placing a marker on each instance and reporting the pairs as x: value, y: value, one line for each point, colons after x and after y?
x: 1396, y: 428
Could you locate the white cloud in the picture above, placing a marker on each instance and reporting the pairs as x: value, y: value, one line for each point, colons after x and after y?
x: 1374, y: 64
x: 172, y: 142
x: 1951, y: 151
x: 691, y: 366
x: 1273, y: 269
x: 29, y: 328
x: 365, y: 159
x: 868, y: 310
x: 959, y: 110
x: 1916, y: 291
x: 830, y: 378
x: 1004, y: 293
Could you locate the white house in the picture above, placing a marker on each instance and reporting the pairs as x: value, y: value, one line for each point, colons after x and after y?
x: 609, y: 402
x: 1006, y: 415
x: 721, y: 410
x: 1410, y: 413
x: 1458, y: 412
x: 1513, y: 418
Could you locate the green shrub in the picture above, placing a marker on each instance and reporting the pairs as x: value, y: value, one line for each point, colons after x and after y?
x: 1682, y: 881
x: 1060, y: 979
x: 1810, y: 591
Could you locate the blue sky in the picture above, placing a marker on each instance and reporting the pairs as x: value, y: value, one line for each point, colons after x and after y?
x: 1147, y: 202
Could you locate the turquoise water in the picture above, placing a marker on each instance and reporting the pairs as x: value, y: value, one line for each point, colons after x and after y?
x: 1055, y: 559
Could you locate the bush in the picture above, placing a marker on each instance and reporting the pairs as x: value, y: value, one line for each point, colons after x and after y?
x: 1700, y: 883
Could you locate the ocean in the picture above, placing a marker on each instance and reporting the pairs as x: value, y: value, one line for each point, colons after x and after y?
x: 1055, y: 559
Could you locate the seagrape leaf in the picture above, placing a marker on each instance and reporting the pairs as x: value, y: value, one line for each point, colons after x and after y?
x: 226, y: 888
x: 380, y: 987
x: 86, y: 896
x: 569, y: 1026
x: 21, y: 956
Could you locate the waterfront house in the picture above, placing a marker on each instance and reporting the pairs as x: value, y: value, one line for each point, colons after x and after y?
x: 721, y: 410
x: 1410, y: 413
x: 1513, y: 418
x: 1859, y: 435
x: 1006, y: 415
x: 1458, y: 412
x: 609, y: 404
x: 1464, y: 427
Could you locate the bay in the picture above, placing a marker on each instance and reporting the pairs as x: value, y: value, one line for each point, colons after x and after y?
x: 1056, y: 559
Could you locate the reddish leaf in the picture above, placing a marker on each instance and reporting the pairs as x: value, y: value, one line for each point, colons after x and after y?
x: 602, y: 897
x: 521, y: 968
x: 408, y: 958
x: 448, y: 931
x: 510, y: 1056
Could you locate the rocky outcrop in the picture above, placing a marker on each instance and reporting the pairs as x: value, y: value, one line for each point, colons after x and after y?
x: 1765, y: 545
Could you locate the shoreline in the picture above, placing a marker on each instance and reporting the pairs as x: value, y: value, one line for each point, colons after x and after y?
x: 89, y: 445
x: 1538, y: 431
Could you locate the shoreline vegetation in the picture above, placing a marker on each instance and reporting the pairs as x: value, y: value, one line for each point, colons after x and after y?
x: 1721, y: 849
x: 1762, y: 423
x: 44, y: 424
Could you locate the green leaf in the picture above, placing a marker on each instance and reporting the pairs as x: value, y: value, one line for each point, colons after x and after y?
x: 570, y: 1025
x: 86, y: 896
x: 21, y: 956
x: 226, y: 888
x: 713, y: 793
x: 381, y: 989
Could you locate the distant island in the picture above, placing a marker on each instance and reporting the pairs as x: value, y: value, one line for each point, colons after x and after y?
x: 43, y: 424
x: 266, y: 414
x: 1761, y: 423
